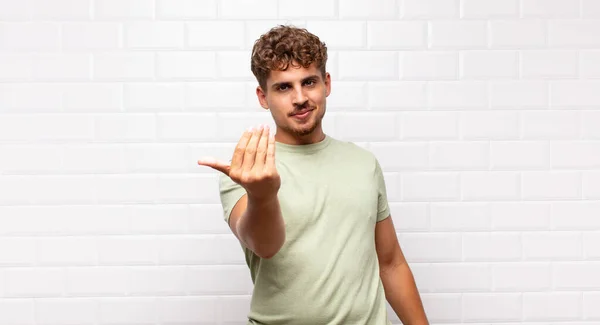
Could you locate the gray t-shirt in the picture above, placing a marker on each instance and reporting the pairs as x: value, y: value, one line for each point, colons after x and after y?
x: 327, y: 272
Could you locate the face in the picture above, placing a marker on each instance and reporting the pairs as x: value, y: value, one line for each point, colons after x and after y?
x: 296, y: 99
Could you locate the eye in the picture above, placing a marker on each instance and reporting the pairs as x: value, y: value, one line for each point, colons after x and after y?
x: 310, y: 82
x: 282, y: 87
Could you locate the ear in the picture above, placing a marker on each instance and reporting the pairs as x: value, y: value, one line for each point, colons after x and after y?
x: 262, y: 98
x: 328, y: 83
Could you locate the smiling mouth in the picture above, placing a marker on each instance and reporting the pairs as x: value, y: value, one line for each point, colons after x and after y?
x: 302, y: 114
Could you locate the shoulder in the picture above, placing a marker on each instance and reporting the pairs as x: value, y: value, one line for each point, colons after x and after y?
x: 355, y: 154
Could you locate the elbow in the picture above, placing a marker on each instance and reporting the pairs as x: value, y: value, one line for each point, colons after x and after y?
x: 270, y: 251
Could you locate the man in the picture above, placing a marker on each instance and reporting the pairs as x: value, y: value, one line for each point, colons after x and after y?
x: 311, y: 211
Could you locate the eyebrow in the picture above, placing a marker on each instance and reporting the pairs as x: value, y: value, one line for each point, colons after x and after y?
x: 277, y: 84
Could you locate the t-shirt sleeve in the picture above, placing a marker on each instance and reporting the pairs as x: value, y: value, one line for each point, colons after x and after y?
x: 230, y: 193
x: 383, y: 208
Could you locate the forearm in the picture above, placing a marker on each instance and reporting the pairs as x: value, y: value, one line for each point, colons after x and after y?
x: 261, y: 227
x: 402, y: 294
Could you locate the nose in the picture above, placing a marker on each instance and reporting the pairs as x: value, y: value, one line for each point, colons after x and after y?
x: 299, y: 98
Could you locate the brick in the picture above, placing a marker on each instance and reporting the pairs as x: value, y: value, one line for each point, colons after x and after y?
x: 495, y: 125
x: 123, y: 10
x: 127, y: 310
x: 378, y: 65
x: 429, y: 125
x: 487, y: 9
x: 513, y: 94
x: 443, y: 308
x: 367, y: 126
x: 186, y: 65
x: 575, y: 155
x: 154, y: 96
x: 453, y: 277
x: 255, y: 9
x: 538, y: 185
x: 542, y: 125
x: 350, y: 95
x: 255, y: 28
x: 591, y: 184
x: 421, y: 186
x: 15, y: 67
x: 197, y: 189
x: 124, y: 127
x: 18, y: 159
x: 589, y: 124
x: 397, y: 95
x: 549, y: 9
x: 573, y: 93
x: 154, y: 35
x: 549, y: 246
x: 17, y: 311
x: 124, y: 66
x: 458, y: 94
x: 339, y: 35
x: 488, y: 64
x: 68, y: 251
x: 513, y: 216
x: 573, y: 33
x: 553, y: 306
x: 66, y: 311
x: 93, y: 97
x: 459, y: 155
x: 92, y: 158
x: 492, y: 307
x: 17, y: 251
x: 159, y: 281
x: 429, y: 9
x: 228, y: 279
x: 591, y: 301
x: 517, y: 34
x: 516, y: 276
x: 123, y: 188
x: 576, y: 275
x: 575, y: 215
x: 488, y: 185
x: 430, y: 65
x: 28, y: 98
x: 15, y: 11
x: 410, y: 217
x: 378, y: 9
x: 33, y: 282
x: 291, y: 10
x: 173, y: 310
x: 539, y: 64
x: 519, y: 155
x: 234, y: 65
x: 186, y: 9
x: 435, y: 247
x: 589, y: 64
x: 155, y: 158
x: 207, y: 219
x: 457, y: 35
x: 60, y: 10
x: 401, y: 156
x: 211, y: 95
x: 459, y: 216
x: 490, y: 247
x: 407, y: 35
x: 125, y: 250
x: 34, y: 36
x: 590, y: 9
x: 161, y: 219
x: 233, y: 308
x: 69, y: 67
x: 97, y: 281
x: 187, y: 126
x: 233, y: 125
x: 58, y: 189
x: 224, y: 35
x: 91, y: 36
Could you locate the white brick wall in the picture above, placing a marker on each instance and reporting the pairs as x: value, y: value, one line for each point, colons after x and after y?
x: 483, y: 113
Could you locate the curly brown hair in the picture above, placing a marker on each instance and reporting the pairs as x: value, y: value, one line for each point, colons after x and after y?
x: 286, y: 45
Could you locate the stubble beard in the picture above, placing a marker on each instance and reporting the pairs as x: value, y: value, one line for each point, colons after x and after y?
x: 305, y: 130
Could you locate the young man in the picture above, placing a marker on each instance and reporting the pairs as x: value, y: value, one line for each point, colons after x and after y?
x: 311, y: 211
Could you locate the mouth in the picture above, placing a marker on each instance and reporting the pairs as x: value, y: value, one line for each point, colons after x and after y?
x: 302, y: 114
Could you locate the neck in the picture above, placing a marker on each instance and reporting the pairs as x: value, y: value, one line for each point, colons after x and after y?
x: 316, y: 136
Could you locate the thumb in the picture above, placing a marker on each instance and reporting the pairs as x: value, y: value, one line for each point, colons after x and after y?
x: 215, y: 164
